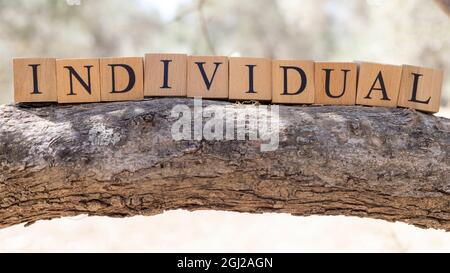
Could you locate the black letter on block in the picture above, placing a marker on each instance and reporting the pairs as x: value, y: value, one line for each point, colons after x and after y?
x: 72, y: 72
x: 250, y: 78
x: 327, y: 82
x: 166, y: 74
x: 35, y: 79
x: 302, y: 77
x: 131, y: 77
x: 382, y: 87
x: 414, y: 91
x: 208, y: 82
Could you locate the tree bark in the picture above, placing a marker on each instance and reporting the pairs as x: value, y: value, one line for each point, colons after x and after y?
x: 119, y: 159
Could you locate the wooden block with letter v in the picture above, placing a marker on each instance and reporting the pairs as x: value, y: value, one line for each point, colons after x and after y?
x: 250, y: 79
x: 165, y: 75
x: 421, y: 88
x: 122, y: 79
x: 293, y: 82
x: 335, y: 83
x: 207, y: 77
x: 34, y: 80
x: 378, y: 84
x: 78, y: 80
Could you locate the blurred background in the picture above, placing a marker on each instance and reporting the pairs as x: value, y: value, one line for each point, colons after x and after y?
x: 389, y: 31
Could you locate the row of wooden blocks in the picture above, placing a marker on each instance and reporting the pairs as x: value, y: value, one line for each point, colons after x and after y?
x: 233, y: 78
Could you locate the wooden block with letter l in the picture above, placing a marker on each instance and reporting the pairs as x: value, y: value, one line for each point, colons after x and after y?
x: 250, y: 79
x: 335, y: 83
x: 78, y: 80
x: 207, y: 77
x: 421, y: 88
x: 165, y: 75
x: 34, y: 80
x: 378, y: 84
x: 293, y: 82
x: 122, y: 79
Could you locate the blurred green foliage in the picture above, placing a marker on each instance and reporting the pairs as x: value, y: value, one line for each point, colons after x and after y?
x: 390, y: 31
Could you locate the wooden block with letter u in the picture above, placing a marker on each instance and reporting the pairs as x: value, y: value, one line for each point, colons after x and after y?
x: 421, y: 88
x: 378, y: 84
x: 207, y: 77
x: 250, y: 79
x: 34, y: 80
x: 122, y: 79
x: 293, y: 82
x: 78, y: 80
x: 335, y: 83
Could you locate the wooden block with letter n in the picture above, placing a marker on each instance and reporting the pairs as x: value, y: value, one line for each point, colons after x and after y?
x: 293, y: 82
x: 250, y: 79
x: 34, y: 80
x: 165, y: 75
x: 421, y: 88
x: 122, y: 79
x: 207, y: 77
x: 78, y: 80
x: 378, y: 84
x: 335, y: 83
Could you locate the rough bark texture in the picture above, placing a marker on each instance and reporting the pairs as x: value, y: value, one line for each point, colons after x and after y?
x: 119, y: 159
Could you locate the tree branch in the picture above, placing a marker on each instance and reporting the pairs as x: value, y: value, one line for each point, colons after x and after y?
x: 119, y: 159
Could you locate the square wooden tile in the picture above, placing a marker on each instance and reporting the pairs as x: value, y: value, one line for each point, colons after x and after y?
x: 421, y: 88
x: 34, y: 80
x: 293, y: 82
x: 165, y: 75
x: 207, y: 77
x: 335, y: 83
x: 78, y: 80
x: 378, y: 84
x: 122, y: 79
x: 250, y: 79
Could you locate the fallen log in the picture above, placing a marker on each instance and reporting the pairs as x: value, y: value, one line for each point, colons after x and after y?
x: 119, y: 159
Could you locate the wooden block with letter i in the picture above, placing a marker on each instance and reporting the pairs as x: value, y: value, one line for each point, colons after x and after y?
x: 293, y: 82
x: 250, y: 79
x: 122, y: 79
x: 335, y: 83
x: 78, y: 80
x: 421, y: 88
x: 207, y: 77
x: 34, y: 80
x: 165, y: 75
x: 378, y: 84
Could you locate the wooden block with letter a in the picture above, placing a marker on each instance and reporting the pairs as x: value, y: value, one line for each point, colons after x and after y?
x: 335, y: 83
x: 207, y: 77
x: 34, y: 80
x: 122, y: 79
x: 421, y: 88
x: 78, y: 80
x: 293, y: 82
x: 378, y: 84
x: 250, y: 79
x: 165, y: 75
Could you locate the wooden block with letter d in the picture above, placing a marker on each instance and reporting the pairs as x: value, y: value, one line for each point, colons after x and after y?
x: 207, y: 77
x: 378, y: 84
x: 421, y: 88
x: 122, y: 79
x: 165, y: 75
x: 78, y: 80
x: 34, y: 80
x: 293, y: 82
x: 250, y: 79
x: 335, y: 83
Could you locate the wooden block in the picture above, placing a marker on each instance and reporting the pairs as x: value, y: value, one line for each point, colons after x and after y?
x: 378, y: 84
x: 78, y: 80
x: 335, y: 83
x: 250, y: 79
x: 165, y: 75
x: 207, y: 77
x: 421, y: 88
x: 122, y: 79
x: 34, y: 80
x: 293, y: 82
